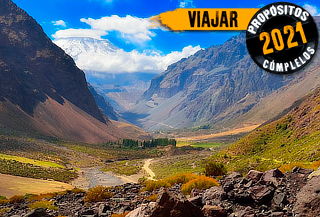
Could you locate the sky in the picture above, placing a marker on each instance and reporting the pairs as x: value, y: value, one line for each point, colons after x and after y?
x: 125, y: 23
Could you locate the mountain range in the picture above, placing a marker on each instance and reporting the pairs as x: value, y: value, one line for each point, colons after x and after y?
x: 221, y: 88
x: 44, y: 91
x: 41, y: 88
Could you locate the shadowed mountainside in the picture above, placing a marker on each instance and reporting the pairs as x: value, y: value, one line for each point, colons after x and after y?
x: 41, y: 89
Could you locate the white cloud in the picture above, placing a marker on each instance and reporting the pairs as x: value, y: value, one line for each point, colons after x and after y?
x: 121, y: 61
x: 186, y: 4
x: 313, y: 10
x: 102, y: 58
x: 91, y: 33
x: 132, y: 29
x: 59, y: 23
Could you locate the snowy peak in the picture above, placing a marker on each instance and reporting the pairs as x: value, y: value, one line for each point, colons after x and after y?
x: 76, y: 46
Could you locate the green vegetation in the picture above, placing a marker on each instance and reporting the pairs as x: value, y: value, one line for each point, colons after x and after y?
x: 206, y: 144
x: 43, y: 204
x: 129, y: 143
x: 214, y: 169
x: 127, y: 167
x: 46, y: 164
x: 174, y: 165
x: 17, y: 168
x: 181, y: 143
x: 279, y: 143
x: 107, y: 152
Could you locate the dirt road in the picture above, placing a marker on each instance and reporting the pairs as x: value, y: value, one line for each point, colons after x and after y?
x: 148, y: 170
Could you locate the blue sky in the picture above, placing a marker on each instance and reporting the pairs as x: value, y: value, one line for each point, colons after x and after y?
x: 71, y: 11
x: 75, y: 14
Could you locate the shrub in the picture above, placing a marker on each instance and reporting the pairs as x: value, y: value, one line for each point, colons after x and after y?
x: 43, y: 204
x: 120, y: 215
x: 154, y: 185
x: 181, y: 178
x: 76, y: 191
x: 4, y: 210
x: 215, y: 169
x: 316, y: 165
x: 170, y: 181
x: 2, y: 197
x: 4, y: 201
x: 153, y: 197
x: 289, y: 167
x: 98, y: 194
x: 142, y: 180
x: 201, y: 183
x: 16, y: 199
x: 41, y: 196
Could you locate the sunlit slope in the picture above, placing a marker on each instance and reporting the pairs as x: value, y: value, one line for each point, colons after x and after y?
x: 293, y: 138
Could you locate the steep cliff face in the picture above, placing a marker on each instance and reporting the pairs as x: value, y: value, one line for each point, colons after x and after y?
x: 220, y: 86
x: 41, y: 89
x: 33, y: 68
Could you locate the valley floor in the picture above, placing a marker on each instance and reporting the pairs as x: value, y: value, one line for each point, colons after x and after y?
x: 15, y: 185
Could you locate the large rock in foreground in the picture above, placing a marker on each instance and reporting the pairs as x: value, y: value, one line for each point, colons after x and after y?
x: 169, y: 204
x: 308, y: 199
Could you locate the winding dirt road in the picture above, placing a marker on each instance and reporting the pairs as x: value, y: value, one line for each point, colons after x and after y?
x: 148, y: 170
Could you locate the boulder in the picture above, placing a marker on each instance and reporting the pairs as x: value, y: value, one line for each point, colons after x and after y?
x: 244, y: 212
x: 169, y: 204
x: 142, y: 211
x: 40, y: 212
x: 213, y: 196
x: 279, y: 199
x: 234, y: 175
x: 261, y: 193
x: 314, y: 174
x: 272, y: 176
x: 308, y: 199
x: 214, y: 211
x: 196, y: 201
x: 254, y: 175
x: 277, y: 214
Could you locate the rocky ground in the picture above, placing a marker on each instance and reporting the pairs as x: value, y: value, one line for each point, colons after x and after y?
x: 269, y: 194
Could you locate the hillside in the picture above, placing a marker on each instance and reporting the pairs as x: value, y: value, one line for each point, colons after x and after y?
x: 292, y: 140
x: 220, y: 87
x: 41, y: 89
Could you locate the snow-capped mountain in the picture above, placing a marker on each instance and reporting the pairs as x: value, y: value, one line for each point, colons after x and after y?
x: 118, y: 75
x: 120, y: 89
x: 78, y: 46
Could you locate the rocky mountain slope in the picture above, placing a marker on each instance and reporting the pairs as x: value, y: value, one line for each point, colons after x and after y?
x: 222, y: 87
x: 41, y: 89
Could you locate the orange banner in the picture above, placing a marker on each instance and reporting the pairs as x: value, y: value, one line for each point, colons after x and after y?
x: 184, y: 19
